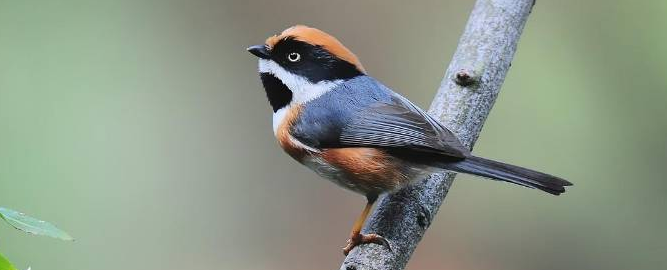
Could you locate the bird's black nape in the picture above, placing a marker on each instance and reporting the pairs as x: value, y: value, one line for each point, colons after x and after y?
x: 316, y: 63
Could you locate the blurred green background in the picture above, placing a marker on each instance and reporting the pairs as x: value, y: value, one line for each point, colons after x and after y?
x: 141, y: 128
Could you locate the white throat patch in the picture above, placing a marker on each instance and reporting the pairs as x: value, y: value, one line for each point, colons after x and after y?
x: 302, y: 89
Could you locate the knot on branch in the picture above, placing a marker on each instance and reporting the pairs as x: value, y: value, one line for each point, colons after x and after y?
x: 466, y: 77
x: 424, y: 217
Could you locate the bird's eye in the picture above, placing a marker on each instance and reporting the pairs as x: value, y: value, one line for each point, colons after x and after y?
x: 294, y: 57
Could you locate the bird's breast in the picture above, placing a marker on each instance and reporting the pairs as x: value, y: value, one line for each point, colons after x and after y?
x: 283, y: 120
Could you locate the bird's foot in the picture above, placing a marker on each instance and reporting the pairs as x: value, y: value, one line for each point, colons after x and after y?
x: 358, y: 239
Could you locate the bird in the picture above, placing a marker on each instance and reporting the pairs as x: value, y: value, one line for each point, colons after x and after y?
x: 349, y: 128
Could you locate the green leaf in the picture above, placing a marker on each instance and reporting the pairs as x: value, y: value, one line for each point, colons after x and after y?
x: 32, y: 225
x: 5, y: 264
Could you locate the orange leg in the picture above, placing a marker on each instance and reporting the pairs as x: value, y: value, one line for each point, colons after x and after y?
x: 356, y: 238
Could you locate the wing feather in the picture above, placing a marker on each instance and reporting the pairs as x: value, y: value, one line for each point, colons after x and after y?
x: 400, y: 124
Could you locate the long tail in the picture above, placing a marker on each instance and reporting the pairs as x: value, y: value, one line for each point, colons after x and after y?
x: 510, y: 173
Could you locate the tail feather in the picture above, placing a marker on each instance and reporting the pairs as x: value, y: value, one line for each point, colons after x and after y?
x: 509, y: 173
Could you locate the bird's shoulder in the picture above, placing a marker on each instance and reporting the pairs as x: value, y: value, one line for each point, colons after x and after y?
x: 321, y: 121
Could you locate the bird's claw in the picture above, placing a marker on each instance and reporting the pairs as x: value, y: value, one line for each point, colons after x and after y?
x: 359, y: 239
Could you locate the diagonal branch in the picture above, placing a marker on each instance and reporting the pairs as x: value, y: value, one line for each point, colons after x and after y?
x: 464, y: 99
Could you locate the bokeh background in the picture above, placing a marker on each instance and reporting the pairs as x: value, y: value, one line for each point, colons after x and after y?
x: 141, y: 128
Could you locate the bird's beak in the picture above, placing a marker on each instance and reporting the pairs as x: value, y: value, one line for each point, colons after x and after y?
x: 260, y: 51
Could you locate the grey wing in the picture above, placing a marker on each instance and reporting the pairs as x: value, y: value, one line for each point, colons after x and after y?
x: 400, y: 124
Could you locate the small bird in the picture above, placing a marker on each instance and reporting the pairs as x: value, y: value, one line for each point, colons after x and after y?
x: 332, y: 117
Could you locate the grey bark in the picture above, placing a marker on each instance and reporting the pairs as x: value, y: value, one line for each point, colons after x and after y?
x: 465, y: 97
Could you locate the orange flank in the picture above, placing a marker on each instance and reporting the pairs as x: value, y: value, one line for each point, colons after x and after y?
x: 369, y: 167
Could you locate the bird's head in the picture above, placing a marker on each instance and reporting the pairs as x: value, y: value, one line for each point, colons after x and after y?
x: 302, y: 63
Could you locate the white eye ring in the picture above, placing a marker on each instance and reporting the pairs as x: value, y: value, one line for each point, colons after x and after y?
x: 294, y: 57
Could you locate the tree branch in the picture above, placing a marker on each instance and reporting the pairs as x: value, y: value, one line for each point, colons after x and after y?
x: 465, y: 97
